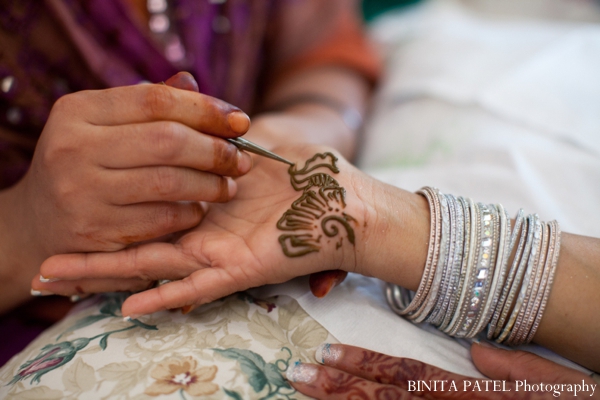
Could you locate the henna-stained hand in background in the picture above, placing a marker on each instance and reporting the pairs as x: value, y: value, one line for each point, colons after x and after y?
x: 354, y: 373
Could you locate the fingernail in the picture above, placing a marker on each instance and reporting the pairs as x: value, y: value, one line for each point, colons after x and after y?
x: 131, y: 317
x: 76, y: 298
x: 231, y: 188
x: 244, y: 162
x: 302, y: 373
x: 38, y: 293
x: 47, y: 280
x: 326, y: 353
x: 187, y: 309
x: 239, y: 122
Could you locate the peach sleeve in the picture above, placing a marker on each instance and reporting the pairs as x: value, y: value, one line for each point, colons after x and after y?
x: 324, y: 33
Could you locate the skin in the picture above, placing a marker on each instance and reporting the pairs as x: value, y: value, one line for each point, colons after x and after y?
x: 353, y: 373
x: 24, y: 246
x: 145, y: 157
x: 311, y: 122
x: 392, y: 231
x: 321, y: 205
x: 267, y: 195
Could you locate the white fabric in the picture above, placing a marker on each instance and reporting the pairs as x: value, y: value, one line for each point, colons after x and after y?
x: 498, y: 110
x: 356, y: 313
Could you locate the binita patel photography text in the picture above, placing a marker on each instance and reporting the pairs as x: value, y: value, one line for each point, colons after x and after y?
x: 557, y: 389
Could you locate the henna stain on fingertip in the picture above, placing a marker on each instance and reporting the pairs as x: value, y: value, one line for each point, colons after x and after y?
x: 187, y: 309
x: 183, y: 80
x: 225, y: 156
x: 321, y: 201
x: 79, y: 290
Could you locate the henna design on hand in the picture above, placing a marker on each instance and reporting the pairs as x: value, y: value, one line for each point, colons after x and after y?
x: 318, y: 211
x: 352, y: 387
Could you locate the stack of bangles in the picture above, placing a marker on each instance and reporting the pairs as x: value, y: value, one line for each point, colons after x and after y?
x: 468, y: 283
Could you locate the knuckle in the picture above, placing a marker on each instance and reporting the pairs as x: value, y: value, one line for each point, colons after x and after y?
x: 140, y: 268
x: 167, y: 217
x: 157, y: 100
x: 65, y: 190
x: 168, y: 140
x: 167, y: 181
x: 225, y: 156
x: 57, y: 152
x: 221, y: 190
x: 72, y: 102
x: 63, y: 103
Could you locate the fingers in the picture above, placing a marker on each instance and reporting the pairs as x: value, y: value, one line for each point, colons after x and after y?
x: 145, y: 103
x: 87, y: 286
x: 322, y: 282
x: 169, y: 143
x: 183, y: 80
x: 148, y: 262
x: 201, y: 287
x: 382, y: 368
x: 520, y: 365
x: 153, y: 184
x: 329, y: 383
x: 140, y: 222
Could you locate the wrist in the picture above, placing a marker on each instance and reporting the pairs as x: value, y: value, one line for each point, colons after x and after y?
x: 303, y: 124
x: 19, y: 262
x: 397, y: 236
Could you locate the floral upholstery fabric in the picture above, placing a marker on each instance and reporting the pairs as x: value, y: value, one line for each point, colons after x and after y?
x: 235, y: 348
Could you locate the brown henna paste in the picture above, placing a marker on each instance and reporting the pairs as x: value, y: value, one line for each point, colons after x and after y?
x: 318, y: 211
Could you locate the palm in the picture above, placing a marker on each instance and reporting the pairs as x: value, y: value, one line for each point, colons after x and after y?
x: 241, y: 236
x: 270, y: 232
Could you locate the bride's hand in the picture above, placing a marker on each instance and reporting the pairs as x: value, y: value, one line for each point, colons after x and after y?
x: 257, y: 238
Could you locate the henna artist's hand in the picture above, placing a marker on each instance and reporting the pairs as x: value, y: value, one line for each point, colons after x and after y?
x: 126, y: 165
x: 238, y: 245
x: 354, y: 373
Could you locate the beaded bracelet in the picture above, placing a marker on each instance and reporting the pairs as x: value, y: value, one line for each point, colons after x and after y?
x: 513, y: 281
x: 454, y: 261
x: 432, y: 253
x: 468, y: 281
x: 524, y: 320
x: 518, y: 309
x: 423, y: 314
x: 552, y: 255
x: 486, y: 266
x: 460, y: 315
x: 500, y: 268
x: 462, y: 267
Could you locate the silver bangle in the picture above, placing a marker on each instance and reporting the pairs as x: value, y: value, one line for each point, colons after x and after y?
x: 468, y: 282
x: 552, y: 257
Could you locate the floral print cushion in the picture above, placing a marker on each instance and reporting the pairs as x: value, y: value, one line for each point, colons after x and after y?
x: 234, y: 348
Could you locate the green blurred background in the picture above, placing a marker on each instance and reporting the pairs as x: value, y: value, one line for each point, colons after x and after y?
x: 373, y: 8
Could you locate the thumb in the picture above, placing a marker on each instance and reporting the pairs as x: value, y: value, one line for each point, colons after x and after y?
x: 513, y: 365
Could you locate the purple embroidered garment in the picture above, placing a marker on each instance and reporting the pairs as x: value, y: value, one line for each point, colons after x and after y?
x: 49, y: 48
x: 53, y: 47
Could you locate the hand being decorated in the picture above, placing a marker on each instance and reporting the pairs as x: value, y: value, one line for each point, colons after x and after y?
x: 281, y: 224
